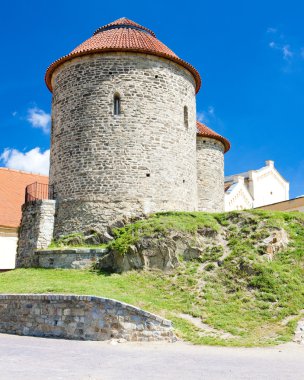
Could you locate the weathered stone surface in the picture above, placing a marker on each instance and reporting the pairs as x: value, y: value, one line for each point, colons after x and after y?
x: 36, y: 230
x: 277, y: 241
x: 80, y: 317
x: 148, y: 254
x: 210, y: 174
x: 106, y: 166
x: 73, y: 258
x: 164, y: 252
x: 299, y: 333
x: 160, y: 252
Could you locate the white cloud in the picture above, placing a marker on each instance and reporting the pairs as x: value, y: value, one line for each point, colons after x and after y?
x: 280, y: 44
x: 287, y: 53
x: 211, y: 110
x: 34, y: 160
x: 39, y: 119
x: 5, y: 155
x: 206, y: 117
x: 202, y: 117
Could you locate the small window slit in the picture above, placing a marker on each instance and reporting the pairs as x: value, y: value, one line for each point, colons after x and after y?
x: 117, y: 108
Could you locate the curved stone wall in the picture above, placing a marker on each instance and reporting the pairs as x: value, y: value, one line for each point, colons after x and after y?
x: 210, y: 174
x: 105, y: 166
x: 79, y: 317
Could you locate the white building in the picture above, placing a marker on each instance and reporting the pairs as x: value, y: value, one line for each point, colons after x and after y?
x: 255, y: 188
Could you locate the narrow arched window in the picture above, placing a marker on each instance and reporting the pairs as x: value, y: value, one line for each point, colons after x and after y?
x: 186, y: 124
x: 116, y: 104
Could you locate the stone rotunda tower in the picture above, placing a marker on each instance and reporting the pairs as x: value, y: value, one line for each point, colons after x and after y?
x: 123, y: 138
x: 210, y: 149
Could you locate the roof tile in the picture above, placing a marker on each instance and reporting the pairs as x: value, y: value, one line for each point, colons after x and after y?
x: 12, y: 191
x: 204, y: 131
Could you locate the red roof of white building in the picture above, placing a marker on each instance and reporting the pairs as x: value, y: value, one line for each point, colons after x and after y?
x: 12, y: 192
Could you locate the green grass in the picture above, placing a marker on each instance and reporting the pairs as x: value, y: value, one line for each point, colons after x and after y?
x: 152, y: 291
x: 247, y: 296
x: 74, y: 240
x: 55, y: 247
x: 161, y: 224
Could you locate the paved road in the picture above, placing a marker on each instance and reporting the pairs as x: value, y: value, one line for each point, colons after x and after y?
x: 42, y: 359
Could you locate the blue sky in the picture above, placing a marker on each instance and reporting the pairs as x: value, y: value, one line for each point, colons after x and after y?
x: 250, y: 55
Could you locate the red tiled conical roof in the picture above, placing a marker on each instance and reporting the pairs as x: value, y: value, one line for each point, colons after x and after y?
x: 204, y: 131
x: 127, y: 36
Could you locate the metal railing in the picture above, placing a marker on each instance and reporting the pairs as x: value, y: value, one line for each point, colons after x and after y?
x: 36, y: 191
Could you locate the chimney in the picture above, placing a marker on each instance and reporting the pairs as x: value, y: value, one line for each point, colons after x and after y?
x: 238, y: 179
x: 269, y: 163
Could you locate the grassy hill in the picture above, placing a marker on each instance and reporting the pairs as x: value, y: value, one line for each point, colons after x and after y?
x: 234, y: 293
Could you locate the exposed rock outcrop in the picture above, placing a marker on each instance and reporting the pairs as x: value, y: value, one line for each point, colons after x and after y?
x: 165, y: 251
x: 299, y: 333
x: 277, y: 241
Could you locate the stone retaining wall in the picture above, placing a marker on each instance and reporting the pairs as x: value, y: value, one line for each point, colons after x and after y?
x: 79, y: 317
x: 74, y: 258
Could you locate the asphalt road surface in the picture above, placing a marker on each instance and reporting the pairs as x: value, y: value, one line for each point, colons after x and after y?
x: 42, y: 359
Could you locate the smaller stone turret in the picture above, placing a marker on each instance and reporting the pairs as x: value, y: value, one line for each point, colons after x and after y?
x: 210, y: 149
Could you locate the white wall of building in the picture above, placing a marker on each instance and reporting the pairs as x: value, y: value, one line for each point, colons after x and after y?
x: 237, y: 197
x: 267, y: 186
x: 8, y: 248
x: 256, y: 188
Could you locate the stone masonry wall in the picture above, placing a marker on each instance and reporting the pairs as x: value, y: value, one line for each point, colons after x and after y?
x: 105, y: 166
x: 72, y: 258
x: 79, y: 317
x: 210, y: 175
x: 36, y: 230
